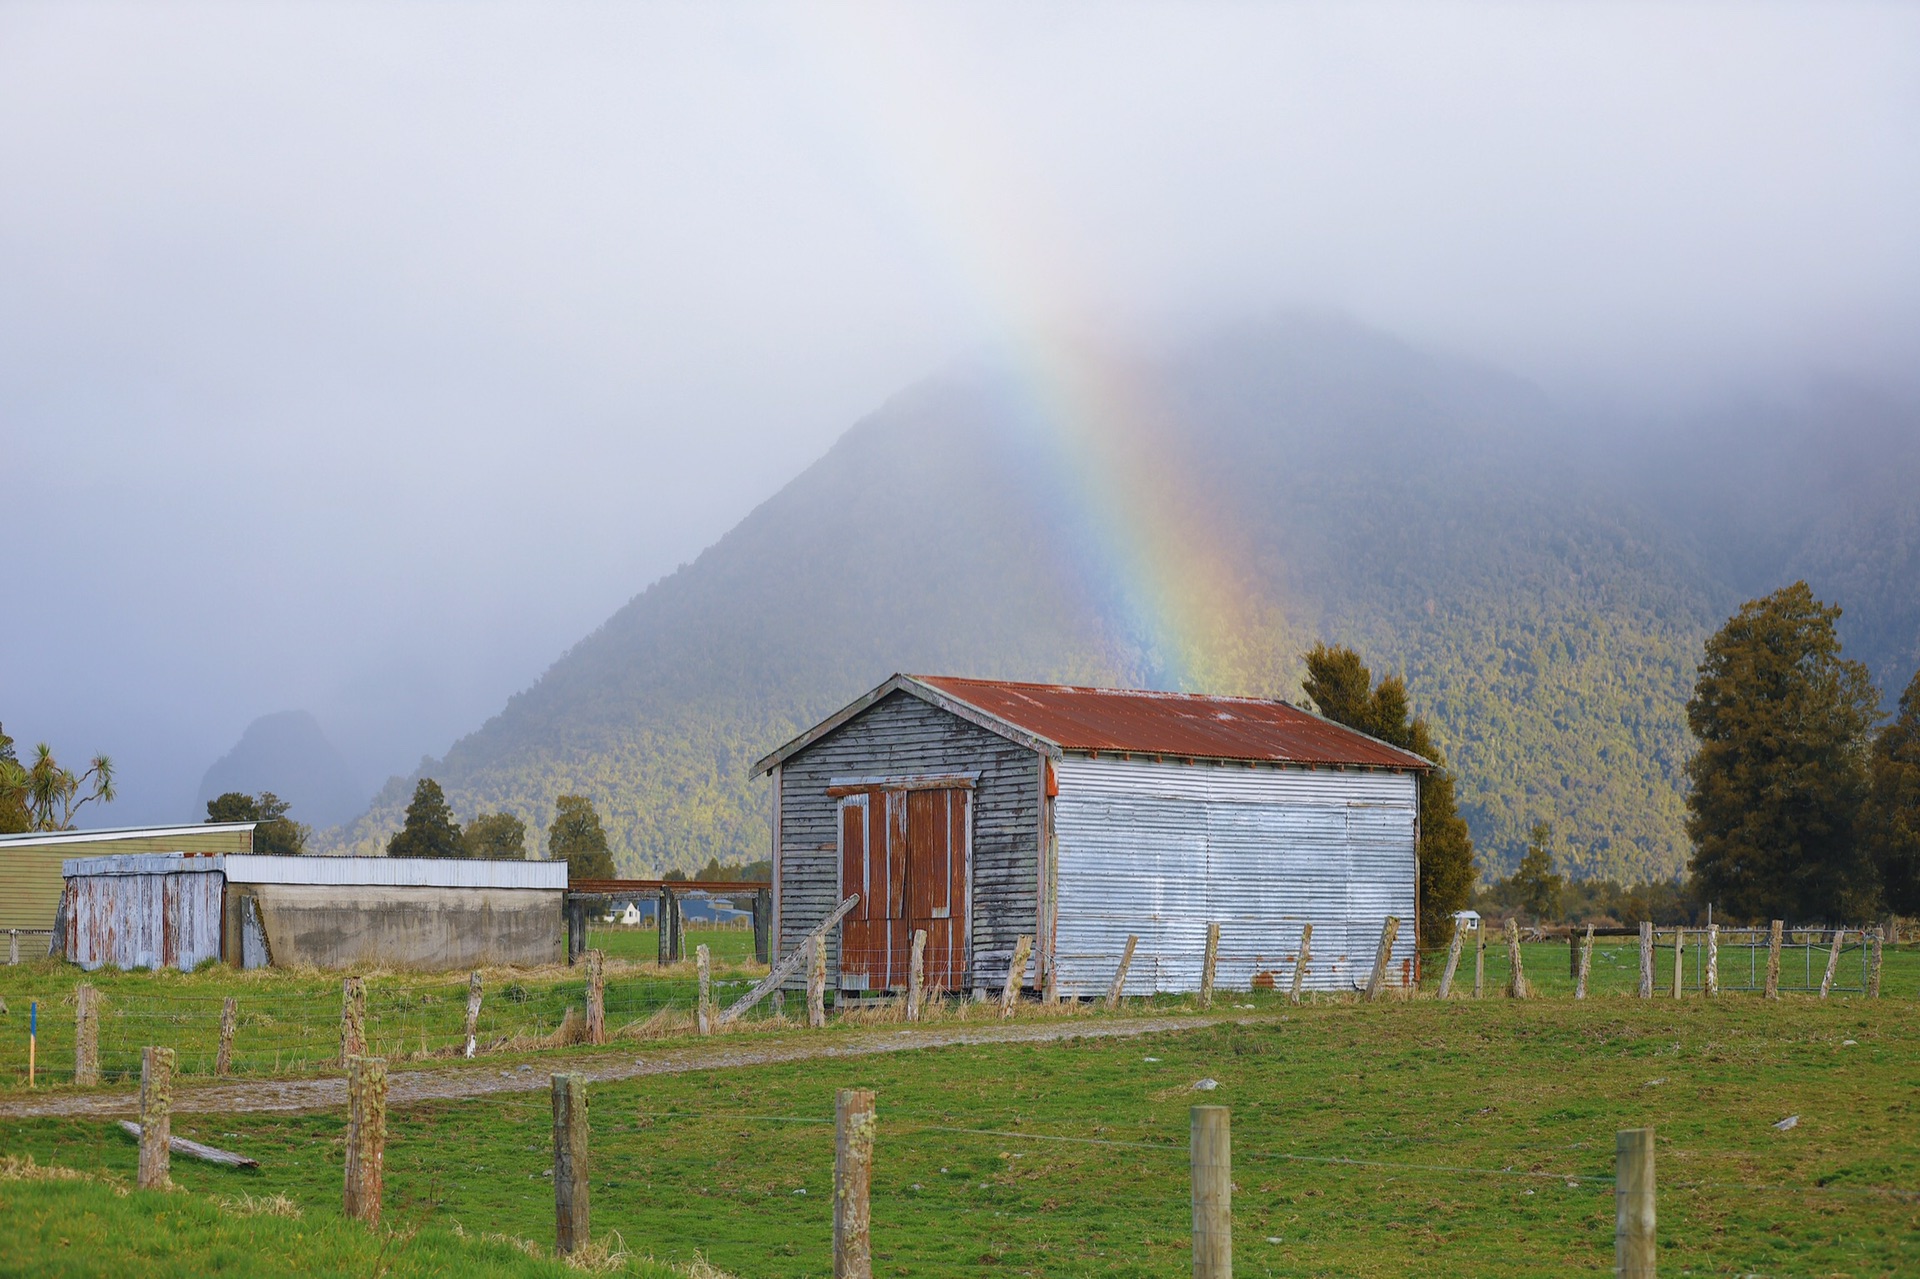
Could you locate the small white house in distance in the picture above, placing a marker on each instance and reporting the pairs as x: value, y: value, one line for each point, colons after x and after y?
x: 1466, y: 919
x: 979, y: 811
x: 631, y: 915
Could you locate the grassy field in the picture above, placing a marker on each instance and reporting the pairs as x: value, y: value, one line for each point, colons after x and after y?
x: 1401, y: 1138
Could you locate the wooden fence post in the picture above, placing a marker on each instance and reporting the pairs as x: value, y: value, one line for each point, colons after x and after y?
x: 1710, y: 974
x: 1381, y: 956
x: 663, y: 926
x: 1211, y: 1157
x: 1479, y: 958
x: 366, y: 1138
x: 1679, y: 962
x: 1120, y: 974
x: 1209, y: 962
x: 703, y: 970
x: 1300, y: 964
x: 917, y: 974
x: 817, y: 984
x: 1453, y: 960
x: 596, y: 997
x: 473, y: 1013
x: 1646, y: 959
x: 353, y: 1019
x: 1586, y: 966
x: 1773, y: 959
x: 1633, y: 1204
x: 852, y: 1181
x: 1873, y: 965
x: 1833, y: 962
x: 1016, y: 975
x: 229, y: 1016
x: 763, y: 926
x: 1516, y: 974
x: 86, y: 1035
x: 571, y: 1228
x: 156, y: 1121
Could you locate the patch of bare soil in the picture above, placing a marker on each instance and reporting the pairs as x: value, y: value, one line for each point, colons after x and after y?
x: 413, y: 1086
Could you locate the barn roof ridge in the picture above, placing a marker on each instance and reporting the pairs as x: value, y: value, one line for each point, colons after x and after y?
x: 1055, y: 719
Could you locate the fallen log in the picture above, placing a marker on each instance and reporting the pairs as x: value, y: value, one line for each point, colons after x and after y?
x: 182, y: 1146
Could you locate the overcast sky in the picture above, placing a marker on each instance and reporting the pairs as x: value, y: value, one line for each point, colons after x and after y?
x: 361, y: 358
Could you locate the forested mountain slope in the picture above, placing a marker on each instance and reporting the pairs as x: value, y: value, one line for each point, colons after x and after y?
x: 1546, y: 607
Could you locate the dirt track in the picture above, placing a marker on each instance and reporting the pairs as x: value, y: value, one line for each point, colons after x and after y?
x: 409, y: 1087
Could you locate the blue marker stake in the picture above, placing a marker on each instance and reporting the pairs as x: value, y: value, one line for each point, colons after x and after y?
x: 33, y: 1038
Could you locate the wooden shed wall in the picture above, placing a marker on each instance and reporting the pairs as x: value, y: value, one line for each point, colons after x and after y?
x: 902, y: 735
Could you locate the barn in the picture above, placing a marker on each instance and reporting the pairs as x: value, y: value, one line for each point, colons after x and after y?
x: 984, y: 810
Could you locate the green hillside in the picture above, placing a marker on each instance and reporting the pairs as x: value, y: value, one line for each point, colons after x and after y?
x: 1546, y: 606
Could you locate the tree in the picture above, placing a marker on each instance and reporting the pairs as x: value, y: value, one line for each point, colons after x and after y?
x: 1781, y: 774
x: 1891, y: 820
x: 1342, y: 687
x: 497, y: 837
x: 430, y: 830
x: 13, y: 792
x: 1535, y: 885
x: 275, y: 833
x: 48, y: 794
x: 576, y: 838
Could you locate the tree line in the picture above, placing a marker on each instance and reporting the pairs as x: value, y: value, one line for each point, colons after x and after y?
x: 575, y: 836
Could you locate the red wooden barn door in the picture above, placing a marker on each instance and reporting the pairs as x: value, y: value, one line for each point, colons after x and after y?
x: 937, y: 878
x: 906, y: 854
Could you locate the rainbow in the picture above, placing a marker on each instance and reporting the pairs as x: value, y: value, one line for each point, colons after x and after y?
x: 1177, y: 581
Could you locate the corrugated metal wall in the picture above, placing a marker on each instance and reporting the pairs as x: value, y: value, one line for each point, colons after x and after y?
x: 159, y: 918
x: 30, y: 864
x: 1163, y: 849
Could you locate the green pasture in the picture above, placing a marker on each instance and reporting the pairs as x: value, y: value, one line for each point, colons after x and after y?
x: 1397, y: 1138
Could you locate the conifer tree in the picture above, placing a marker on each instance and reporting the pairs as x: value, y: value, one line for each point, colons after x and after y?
x: 1780, y: 776
x: 497, y: 837
x: 1891, y: 820
x: 1342, y: 688
x: 1535, y: 883
x: 430, y: 830
x: 276, y: 832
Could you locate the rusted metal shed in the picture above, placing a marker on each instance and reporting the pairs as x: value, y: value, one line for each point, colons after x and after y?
x: 144, y: 910
x: 981, y: 810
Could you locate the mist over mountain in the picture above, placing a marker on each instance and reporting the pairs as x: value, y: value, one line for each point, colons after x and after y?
x: 1545, y: 597
x: 288, y: 753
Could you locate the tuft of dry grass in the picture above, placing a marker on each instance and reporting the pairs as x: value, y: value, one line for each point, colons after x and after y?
x: 23, y: 1168
x: 663, y: 1024
x: 250, y: 1205
x: 602, y: 1256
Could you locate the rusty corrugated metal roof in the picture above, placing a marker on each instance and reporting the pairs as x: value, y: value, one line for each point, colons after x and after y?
x: 1181, y: 725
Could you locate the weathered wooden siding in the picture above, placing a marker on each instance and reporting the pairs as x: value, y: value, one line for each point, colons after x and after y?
x: 148, y: 913
x: 898, y: 736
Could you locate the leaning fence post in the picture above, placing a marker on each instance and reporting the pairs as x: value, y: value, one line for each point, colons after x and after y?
x: 223, y: 1059
x: 353, y: 1019
x: 817, y: 984
x: 1479, y: 958
x: 1516, y: 974
x: 366, y: 1138
x: 473, y: 1012
x: 917, y: 974
x: 852, y: 1181
x: 1773, y: 959
x: 1210, y: 1153
x: 1453, y: 960
x: 156, y: 1122
x: 1833, y: 962
x: 1381, y: 957
x: 1016, y: 975
x: 1300, y: 963
x: 1710, y: 974
x: 571, y: 1229
x: 596, y: 997
x: 1586, y: 966
x: 1646, y: 959
x: 1209, y: 962
x: 703, y: 971
x: 1873, y: 965
x: 1633, y: 1204
x: 86, y: 1035
x: 1120, y: 974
